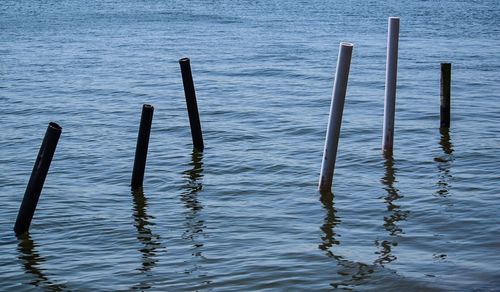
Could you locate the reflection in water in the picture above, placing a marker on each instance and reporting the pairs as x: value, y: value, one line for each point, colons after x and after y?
x: 150, y: 242
x: 351, y: 273
x: 395, y: 213
x: 31, y: 262
x: 330, y: 221
x: 444, y: 163
x: 189, y: 196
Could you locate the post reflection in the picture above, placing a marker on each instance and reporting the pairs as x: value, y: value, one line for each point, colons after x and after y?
x: 150, y: 241
x: 351, y: 273
x: 444, y: 163
x: 331, y: 220
x: 189, y: 196
x: 396, y: 214
x: 31, y: 261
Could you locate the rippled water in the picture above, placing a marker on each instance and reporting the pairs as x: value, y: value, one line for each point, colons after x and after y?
x: 245, y: 214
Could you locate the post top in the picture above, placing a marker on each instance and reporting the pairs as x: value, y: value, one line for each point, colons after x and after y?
x: 55, y: 126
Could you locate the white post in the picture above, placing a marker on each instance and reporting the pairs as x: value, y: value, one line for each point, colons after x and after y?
x: 390, y: 84
x: 335, y: 119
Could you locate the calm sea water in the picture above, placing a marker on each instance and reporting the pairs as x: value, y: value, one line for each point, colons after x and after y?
x: 245, y: 215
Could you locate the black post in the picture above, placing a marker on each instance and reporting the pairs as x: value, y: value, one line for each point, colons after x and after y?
x: 445, y: 94
x: 141, y: 150
x: 192, y: 107
x: 38, y: 175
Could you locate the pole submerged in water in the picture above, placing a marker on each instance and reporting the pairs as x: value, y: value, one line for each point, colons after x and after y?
x: 192, y: 107
x: 335, y: 118
x: 37, y: 179
x: 445, y: 108
x: 390, y: 84
x: 141, y: 151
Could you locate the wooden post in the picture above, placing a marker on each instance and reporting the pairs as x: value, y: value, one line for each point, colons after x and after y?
x: 335, y: 118
x: 141, y: 151
x: 37, y: 179
x: 445, y: 108
x: 390, y: 84
x: 192, y: 107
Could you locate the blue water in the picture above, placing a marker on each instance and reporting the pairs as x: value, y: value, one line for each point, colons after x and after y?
x: 245, y: 215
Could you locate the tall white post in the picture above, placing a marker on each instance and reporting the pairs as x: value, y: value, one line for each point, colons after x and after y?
x: 335, y: 119
x: 390, y: 84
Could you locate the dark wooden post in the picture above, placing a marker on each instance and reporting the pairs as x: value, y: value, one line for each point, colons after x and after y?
x: 445, y: 94
x: 38, y: 175
x: 141, y: 150
x: 192, y: 107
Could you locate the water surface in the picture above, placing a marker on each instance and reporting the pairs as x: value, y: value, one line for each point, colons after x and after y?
x: 245, y: 214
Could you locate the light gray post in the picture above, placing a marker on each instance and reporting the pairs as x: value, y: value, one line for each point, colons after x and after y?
x: 335, y: 119
x: 390, y: 84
